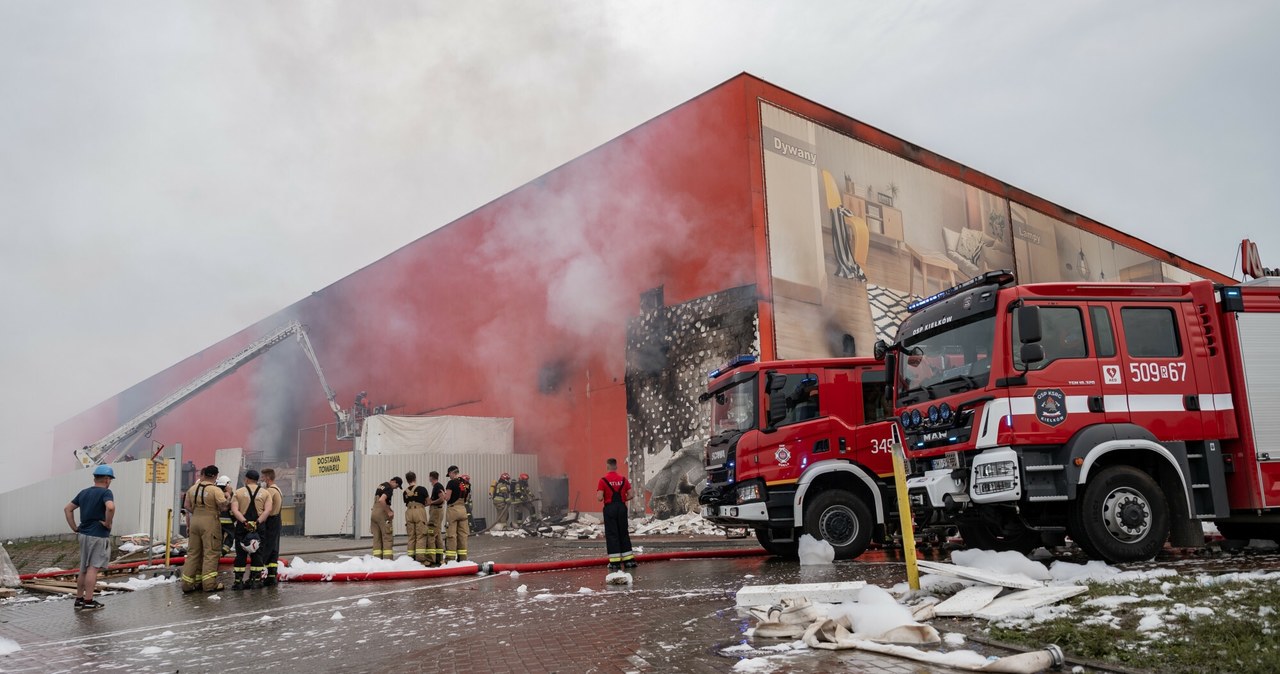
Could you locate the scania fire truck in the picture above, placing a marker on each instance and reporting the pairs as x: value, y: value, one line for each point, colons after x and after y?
x: 801, y: 446
x: 1121, y: 414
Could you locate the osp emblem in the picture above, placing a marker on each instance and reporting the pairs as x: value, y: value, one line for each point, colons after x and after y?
x: 968, y: 301
x: 1051, y: 406
x: 783, y: 455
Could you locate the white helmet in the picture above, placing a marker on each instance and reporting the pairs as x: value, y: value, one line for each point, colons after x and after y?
x: 224, y: 480
x: 251, y: 543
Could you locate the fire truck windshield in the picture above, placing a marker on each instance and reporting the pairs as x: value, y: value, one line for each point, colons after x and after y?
x: 733, y: 408
x: 950, y: 359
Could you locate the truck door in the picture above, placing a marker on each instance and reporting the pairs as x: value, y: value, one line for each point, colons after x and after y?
x: 1062, y: 393
x: 1161, y: 386
x: 873, y: 434
x: 1111, y: 365
x: 799, y: 433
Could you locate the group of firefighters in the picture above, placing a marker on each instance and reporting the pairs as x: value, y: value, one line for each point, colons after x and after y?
x: 512, y: 499
x: 436, y: 518
x: 249, y: 517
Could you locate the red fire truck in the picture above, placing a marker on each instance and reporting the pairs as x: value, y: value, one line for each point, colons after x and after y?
x: 1121, y: 414
x: 801, y: 446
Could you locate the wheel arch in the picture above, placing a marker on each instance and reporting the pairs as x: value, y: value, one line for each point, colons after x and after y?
x: 1146, y: 455
x: 836, y: 474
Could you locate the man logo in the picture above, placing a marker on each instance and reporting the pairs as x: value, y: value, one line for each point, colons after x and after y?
x: 1111, y: 374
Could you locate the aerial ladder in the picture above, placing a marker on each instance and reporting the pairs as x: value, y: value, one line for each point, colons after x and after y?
x: 100, y: 452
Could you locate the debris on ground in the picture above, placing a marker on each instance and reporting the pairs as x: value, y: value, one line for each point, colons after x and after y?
x: 8, y: 572
x: 588, y: 526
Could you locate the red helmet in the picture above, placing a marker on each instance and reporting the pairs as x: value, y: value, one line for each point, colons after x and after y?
x: 524, y: 476
x: 464, y: 477
x: 505, y: 476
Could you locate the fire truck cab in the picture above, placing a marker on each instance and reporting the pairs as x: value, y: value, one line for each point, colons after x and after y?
x: 798, y: 447
x: 1121, y: 414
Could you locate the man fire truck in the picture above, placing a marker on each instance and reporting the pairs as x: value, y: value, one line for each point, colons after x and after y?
x: 798, y: 447
x: 1121, y: 414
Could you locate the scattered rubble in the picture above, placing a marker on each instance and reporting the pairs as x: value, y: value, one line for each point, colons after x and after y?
x: 588, y: 526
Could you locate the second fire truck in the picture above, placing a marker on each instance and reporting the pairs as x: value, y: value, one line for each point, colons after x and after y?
x: 801, y: 446
x: 1123, y: 415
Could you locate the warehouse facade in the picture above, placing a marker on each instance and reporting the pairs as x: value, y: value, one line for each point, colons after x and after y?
x: 589, y: 304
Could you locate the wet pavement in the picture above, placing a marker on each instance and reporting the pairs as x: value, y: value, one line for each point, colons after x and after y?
x: 679, y: 616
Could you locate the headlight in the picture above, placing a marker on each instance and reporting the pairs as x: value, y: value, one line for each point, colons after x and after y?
x: 944, y: 411
x: 934, y: 414
x: 995, y: 469
x: 906, y: 419
x: 749, y: 492
x: 993, y: 486
x: 916, y: 419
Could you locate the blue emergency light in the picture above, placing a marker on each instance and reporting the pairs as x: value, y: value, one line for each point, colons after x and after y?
x: 738, y: 361
x: 1002, y: 277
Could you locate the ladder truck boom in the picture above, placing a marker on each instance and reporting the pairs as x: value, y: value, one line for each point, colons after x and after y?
x: 98, y: 452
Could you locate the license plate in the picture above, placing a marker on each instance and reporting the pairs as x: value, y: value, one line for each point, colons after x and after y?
x: 717, y: 457
x: 950, y: 460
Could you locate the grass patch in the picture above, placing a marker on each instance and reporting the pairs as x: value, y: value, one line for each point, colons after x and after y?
x: 1242, y: 634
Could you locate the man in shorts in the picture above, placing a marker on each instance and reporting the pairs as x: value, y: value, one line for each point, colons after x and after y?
x: 97, y: 509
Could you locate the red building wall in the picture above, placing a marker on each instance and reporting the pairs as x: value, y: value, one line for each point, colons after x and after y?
x: 520, y: 308
x: 517, y: 309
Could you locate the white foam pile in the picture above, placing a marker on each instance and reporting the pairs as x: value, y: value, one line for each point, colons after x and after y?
x: 364, y: 601
x: 814, y: 552
x: 618, y: 578
x: 362, y: 564
x: 1001, y: 562
x: 142, y: 583
x: 8, y: 646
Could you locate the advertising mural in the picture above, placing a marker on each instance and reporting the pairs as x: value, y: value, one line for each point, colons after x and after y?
x: 857, y: 233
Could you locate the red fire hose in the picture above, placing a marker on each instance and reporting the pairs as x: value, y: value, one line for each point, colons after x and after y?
x: 173, y: 562
x: 528, y: 567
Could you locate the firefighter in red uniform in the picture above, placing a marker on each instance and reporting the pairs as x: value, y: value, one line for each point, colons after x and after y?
x: 614, y: 491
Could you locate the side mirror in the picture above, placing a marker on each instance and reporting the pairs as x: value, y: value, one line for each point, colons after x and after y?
x: 1029, y: 327
x: 1031, y: 353
x: 774, y: 383
x: 880, y: 350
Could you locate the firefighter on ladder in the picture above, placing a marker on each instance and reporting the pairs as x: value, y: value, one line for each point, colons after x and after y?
x: 251, y: 507
x: 456, y: 493
x: 415, y: 517
x: 380, y: 519
x: 435, y: 521
x: 500, y: 493
x: 204, y: 500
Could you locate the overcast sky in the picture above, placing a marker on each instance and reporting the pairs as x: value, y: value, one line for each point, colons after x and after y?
x: 171, y: 172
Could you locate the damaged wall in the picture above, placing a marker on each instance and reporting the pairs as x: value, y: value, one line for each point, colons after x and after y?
x: 670, y: 350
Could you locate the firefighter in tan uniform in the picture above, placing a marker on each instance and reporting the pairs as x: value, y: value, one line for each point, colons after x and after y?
x: 500, y: 494
x: 380, y: 519
x: 435, y: 521
x: 456, y: 493
x: 204, y: 500
x: 271, y: 537
x: 415, y: 517
x: 250, y: 506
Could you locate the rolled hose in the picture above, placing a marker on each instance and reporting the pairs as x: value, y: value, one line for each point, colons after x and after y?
x: 173, y: 561
x: 527, y: 567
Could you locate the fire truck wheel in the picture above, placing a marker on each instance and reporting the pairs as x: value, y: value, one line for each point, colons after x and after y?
x: 841, y: 519
x: 785, y: 549
x: 1123, y: 516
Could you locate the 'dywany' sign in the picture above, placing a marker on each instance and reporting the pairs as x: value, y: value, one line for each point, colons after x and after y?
x: 327, y: 464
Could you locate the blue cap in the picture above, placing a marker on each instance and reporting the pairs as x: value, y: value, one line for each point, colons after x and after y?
x: 101, y: 471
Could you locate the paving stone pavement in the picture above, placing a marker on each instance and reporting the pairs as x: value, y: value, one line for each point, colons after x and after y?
x: 678, y: 616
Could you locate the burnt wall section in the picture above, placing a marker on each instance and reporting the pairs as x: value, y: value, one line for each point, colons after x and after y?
x: 670, y: 350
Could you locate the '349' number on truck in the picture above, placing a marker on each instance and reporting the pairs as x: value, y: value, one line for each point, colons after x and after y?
x: 1144, y: 372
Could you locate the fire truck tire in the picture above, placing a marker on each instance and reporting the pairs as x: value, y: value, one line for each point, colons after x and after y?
x: 785, y: 549
x: 1123, y: 517
x: 841, y: 519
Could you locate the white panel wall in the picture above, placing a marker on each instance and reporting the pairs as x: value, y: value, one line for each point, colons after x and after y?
x: 36, y: 509
x: 329, y: 503
x: 483, y: 469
